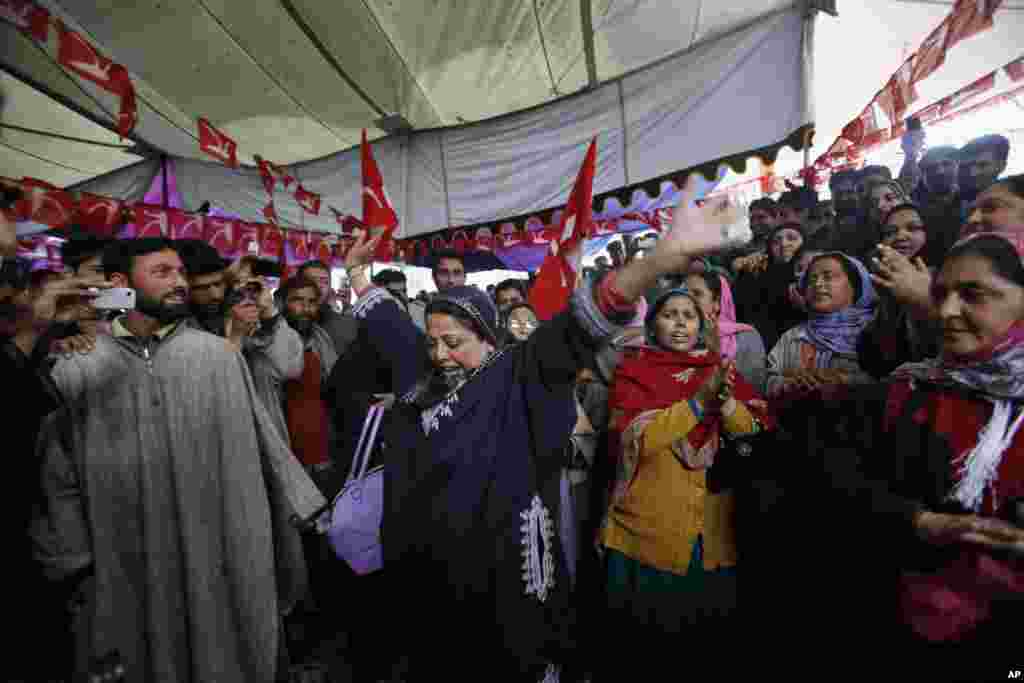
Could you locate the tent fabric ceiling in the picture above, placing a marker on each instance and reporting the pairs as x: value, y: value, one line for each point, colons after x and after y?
x: 295, y: 80
x: 648, y: 125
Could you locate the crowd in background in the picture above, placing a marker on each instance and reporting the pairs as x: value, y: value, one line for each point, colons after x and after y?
x: 835, y: 406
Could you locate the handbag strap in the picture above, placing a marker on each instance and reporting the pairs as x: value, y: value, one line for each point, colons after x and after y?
x: 371, y: 440
x: 357, y: 463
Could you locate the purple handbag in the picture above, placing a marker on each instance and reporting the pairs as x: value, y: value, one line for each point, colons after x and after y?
x: 358, y: 510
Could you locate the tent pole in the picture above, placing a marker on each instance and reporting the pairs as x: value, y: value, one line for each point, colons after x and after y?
x: 163, y: 176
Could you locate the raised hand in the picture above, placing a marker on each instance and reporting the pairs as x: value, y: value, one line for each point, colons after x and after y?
x: 361, y: 253
x: 8, y: 236
x: 696, y: 230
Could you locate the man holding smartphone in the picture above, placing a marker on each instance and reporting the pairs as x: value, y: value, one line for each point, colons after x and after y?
x: 165, y: 497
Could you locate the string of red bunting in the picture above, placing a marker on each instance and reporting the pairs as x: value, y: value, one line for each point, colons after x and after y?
x: 60, y: 209
x: 967, y: 19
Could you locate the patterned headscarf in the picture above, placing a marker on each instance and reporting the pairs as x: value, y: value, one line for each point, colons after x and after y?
x: 838, y: 332
x: 475, y: 304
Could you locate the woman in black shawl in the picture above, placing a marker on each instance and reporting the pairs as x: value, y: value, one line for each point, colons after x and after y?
x: 473, y: 459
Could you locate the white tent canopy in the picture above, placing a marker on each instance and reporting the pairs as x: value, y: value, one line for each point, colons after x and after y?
x: 665, y: 85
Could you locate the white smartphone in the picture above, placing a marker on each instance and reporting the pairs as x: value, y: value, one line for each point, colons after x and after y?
x: 117, y: 298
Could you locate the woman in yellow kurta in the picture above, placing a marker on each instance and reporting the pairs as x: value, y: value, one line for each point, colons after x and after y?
x: 668, y: 539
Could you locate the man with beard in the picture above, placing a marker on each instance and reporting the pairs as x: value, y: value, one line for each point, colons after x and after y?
x: 162, y: 474
x: 764, y: 217
x: 846, y: 202
x: 340, y: 327
x: 305, y: 410
x: 937, y: 193
x: 982, y: 161
x: 205, y: 269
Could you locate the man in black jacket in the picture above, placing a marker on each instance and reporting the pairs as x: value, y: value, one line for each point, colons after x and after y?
x: 26, y: 322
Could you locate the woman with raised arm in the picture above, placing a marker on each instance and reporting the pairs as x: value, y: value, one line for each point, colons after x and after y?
x: 473, y: 460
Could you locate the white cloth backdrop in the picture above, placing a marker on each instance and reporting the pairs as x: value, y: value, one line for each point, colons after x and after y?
x: 745, y: 90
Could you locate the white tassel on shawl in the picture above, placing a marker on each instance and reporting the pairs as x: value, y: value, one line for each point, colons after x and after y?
x: 980, y: 464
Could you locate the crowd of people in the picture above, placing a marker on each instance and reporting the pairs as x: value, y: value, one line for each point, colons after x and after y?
x: 835, y: 406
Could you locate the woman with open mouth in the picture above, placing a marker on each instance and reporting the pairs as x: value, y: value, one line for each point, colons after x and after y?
x: 819, y: 357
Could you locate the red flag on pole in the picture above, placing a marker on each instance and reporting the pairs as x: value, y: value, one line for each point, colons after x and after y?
x: 217, y: 144
x: 377, y: 209
x: 77, y: 55
x: 30, y: 18
x: 556, y: 278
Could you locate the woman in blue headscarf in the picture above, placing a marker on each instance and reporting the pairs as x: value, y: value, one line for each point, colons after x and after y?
x: 821, y: 354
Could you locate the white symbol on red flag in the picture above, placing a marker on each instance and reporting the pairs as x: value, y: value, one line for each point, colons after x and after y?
x: 27, y: 16
x: 969, y: 18
x: 266, y: 174
x: 98, y: 214
x: 217, y: 144
x: 272, y: 243
x: 557, y: 276
x: 220, y: 234
x: 932, y: 53
x: 44, y: 203
x: 281, y: 174
x: 377, y: 209
x: 270, y: 173
x: 577, y: 219
x: 863, y: 125
x: 309, y: 201
x: 248, y: 240
x: 151, y: 221
x: 270, y: 213
x: 78, y: 56
x: 185, y: 226
x: 898, y: 95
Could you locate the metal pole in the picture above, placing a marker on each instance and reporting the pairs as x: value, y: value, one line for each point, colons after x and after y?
x: 163, y: 174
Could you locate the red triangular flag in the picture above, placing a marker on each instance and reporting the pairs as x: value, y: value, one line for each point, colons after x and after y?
x: 377, y: 209
x: 77, y: 55
x: 30, y: 18
x: 970, y: 17
x: 282, y: 174
x: 309, y: 201
x: 266, y: 174
x: 270, y: 213
x: 217, y: 145
x: 557, y: 278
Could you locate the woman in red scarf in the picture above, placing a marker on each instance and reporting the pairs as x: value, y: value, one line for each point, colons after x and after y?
x: 671, y: 549
x: 940, y: 484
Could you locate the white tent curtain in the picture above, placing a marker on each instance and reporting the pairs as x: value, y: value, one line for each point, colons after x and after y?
x: 677, y: 114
